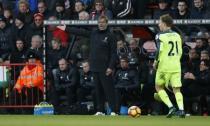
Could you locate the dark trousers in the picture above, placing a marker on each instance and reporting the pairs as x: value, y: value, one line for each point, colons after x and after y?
x: 68, y: 93
x: 83, y: 93
x: 104, y: 88
x: 125, y: 96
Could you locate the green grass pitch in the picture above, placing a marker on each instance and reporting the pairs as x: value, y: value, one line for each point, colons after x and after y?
x: 76, y: 120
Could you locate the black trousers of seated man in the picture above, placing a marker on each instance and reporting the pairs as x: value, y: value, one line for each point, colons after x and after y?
x: 124, y: 96
x: 104, y: 88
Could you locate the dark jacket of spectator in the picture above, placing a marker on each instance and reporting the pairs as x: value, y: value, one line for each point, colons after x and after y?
x: 54, y: 55
x: 34, y: 30
x: 185, y: 16
x: 5, y: 41
x: 21, y: 33
x: 199, y: 13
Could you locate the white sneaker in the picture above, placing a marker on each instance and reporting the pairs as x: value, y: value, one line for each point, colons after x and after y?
x: 99, y: 114
x: 113, y: 114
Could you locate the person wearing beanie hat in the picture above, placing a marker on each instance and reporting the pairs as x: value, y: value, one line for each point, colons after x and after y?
x: 20, y: 30
x: 60, y: 11
x: 164, y: 8
x: 60, y: 4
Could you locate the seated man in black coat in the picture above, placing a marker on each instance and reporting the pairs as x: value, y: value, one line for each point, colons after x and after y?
x: 126, y: 83
x: 65, y: 81
x: 86, y: 87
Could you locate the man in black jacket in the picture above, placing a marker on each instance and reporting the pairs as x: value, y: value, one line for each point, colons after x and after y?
x: 86, y: 87
x: 66, y: 78
x: 102, y: 61
x: 126, y: 83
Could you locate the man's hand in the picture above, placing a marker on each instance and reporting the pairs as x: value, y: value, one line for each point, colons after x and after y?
x: 108, y: 71
x: 191, y: 76
x: 62, y: 27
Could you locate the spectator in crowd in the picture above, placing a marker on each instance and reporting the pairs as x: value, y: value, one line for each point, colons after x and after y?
x: 20, y: 30
x: 200, y: 45
x: 42, y: 8
x: 32, y: 5
x: 199, y: 84
x: 100, y: 10
x: 79, y: 6
x: 121, y: 9
x: 23, y: 8
x: 5, y: 38
x: 164, y: 8
x: 199, y: 10
x: 126, y: 83
x: 54, y: 32
x: 190, y: 67
x: 182, y: 10
x: 204, y: 55
x: 134, y: 53
x: 192, y: 63
x: 82, y: 44
x: 55, y: 53
x: 36, y: 28
x: 60, y: 11
x: 8, y: 15
x: 36, y: 46
x: 18, y: 56
x: 122, y: 48
x: 86, y: 88
x: 65, y: 82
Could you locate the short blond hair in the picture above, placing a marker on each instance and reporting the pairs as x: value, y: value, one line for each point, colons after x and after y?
x: 23, y: 2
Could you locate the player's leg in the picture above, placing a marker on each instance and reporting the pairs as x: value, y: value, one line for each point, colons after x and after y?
x: 176, y: 85
x: 160, y: 81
